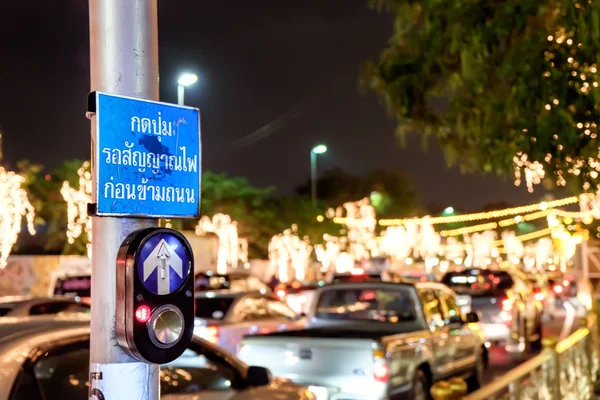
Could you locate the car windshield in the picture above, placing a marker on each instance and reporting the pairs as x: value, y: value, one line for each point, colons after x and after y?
x: 377, y: 305
x: 213, y: 307
x: 208, y: 282
x: 73, y: 286
x: 479, y: 282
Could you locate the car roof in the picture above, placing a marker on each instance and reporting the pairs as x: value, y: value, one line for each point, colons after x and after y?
x: 433, y: 285
x: 366, y: 284
x: 23, y: 300
x: 19, y: 336
x: 227, y: 293
x: 12, y: 328
x: 232, y: 274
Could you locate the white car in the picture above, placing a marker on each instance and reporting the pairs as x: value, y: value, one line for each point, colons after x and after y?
x: 224, y: 317
x: 22, y: 306
x: 50, y: 360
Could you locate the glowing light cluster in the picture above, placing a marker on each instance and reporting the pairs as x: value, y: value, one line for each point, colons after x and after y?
x: 469, y: 229
x: 481, y: 215
x: 231, y: 248
x: 14, y: 205
x: 77, y: 200
x: 566, y: 66
x: 481, y: 248
x: 288, y: 254
x: 534, y: 171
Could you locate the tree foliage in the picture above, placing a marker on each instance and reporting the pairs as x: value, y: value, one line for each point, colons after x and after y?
x: 392, y: 193
x: 494, y: 80
x: 259, y: 214
x: 51, y: 209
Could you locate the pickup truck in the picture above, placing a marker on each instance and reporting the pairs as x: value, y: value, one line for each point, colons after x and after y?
x: 375, y: 340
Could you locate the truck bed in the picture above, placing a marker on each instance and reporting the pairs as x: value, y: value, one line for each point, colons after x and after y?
x: 343, y: 332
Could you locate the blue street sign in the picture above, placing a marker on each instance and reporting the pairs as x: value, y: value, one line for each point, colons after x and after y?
x: 163, y: 264
x: 147, y: 158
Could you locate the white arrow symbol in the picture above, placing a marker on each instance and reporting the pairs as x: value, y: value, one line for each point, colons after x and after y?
x: 162, y: 258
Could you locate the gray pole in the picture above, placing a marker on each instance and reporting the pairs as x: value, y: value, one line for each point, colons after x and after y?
x: 124, y: 61
x: 180, y: 94
x: 313, y: 177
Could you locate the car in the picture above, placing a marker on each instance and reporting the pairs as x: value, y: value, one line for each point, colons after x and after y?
x: 510, y: 314
x: 297, y: 295
x: 72, y: 279
x: 376, y: 340
x: 236, y: 281
x: 52, y: 362
x: 22, y: 306
x: 365, y: 275
x: 224, y: 317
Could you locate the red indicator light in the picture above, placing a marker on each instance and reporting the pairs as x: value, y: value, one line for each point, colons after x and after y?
x: 142, y: 314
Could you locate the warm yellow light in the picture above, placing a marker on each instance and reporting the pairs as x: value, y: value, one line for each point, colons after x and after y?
x: 320, y: 218
x: 77, y: 200
x: 14, y: 205
x: 481, y: 215
x: 231, y: 249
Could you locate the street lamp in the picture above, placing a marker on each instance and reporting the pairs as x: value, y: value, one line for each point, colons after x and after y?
x: 449, y: 210
x: 183, y: 81
x: 319, y: 149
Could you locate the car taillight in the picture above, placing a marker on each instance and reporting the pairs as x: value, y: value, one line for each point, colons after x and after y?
x: 507, y: 305
x: 381, y: 371
x: 357, y: 271
x: 210, y: 334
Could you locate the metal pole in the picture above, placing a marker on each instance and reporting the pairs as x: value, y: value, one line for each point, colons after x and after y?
x: 123, y: 60
x: 180, y: 94
x: 313, y: 177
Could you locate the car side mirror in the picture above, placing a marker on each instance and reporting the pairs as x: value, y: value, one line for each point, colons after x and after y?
x: 258, y: 376
x: 472, y: 317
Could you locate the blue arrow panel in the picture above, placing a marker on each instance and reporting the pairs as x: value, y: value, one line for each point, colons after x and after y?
x: 149, y: 251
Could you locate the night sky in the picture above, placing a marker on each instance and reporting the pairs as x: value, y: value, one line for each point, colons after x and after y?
x: 276, y: 77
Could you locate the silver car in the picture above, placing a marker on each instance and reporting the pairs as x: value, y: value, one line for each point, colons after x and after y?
x: 224, y: 317
x: 18, y: 306
x: 47, y: 358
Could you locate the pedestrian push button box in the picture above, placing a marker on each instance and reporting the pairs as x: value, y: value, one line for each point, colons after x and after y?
x: 155, y: 295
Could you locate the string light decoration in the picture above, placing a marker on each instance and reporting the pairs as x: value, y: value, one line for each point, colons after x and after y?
x: 534, y: 171
x: 289, y: 253
x: 570, y: 90
x: 487, y: 215
x: 231, y: 249
x: 14, y: 205
x: 77, y: 200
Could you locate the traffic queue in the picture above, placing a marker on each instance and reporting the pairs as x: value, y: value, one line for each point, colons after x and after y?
x: 363, y: 334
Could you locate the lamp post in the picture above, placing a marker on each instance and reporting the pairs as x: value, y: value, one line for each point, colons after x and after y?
x: 448, y: 210
x: 319, y: 149
x: 184, y: 81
